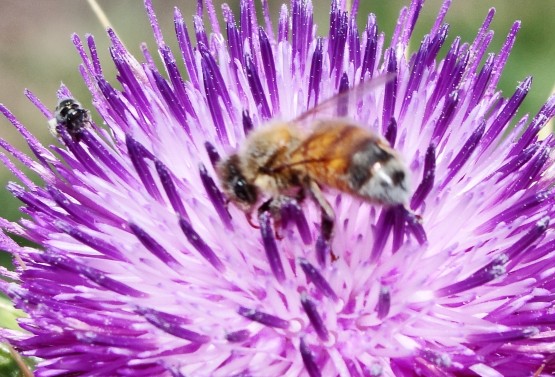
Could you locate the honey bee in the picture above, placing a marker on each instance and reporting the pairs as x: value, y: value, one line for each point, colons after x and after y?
x: 72, y: 116
x: 281, y: 159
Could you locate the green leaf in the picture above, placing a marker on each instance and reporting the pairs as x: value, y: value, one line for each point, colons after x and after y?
x: 8, y: 366
x: 9, y: 315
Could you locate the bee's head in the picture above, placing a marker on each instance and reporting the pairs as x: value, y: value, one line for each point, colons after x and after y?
x: 235, y: 185
x: 69, y: 111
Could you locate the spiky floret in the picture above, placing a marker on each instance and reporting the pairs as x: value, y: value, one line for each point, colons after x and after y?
x: 142, y: 271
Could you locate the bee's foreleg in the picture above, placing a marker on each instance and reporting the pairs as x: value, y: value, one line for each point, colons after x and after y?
x: 272, y: 206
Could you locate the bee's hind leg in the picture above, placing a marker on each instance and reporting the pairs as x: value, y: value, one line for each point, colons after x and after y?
x: 323, y: 245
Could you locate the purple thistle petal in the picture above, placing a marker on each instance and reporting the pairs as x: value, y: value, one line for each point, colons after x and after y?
x: 399, y: 222
x: 546, y: 112
x: 369, y: 58
x: 342, y: 103
x: 42, y: 154
x: 238, y: 336
x: 323, y: 250
x: 283, y: 24
x: 138, y: 154
x: 516, y: 250
x: 247, y: 122
x: 315, y: 76
x: 441, y: 16
x: 172, y: 324
x: 81, y: 51
x: 94, y: 275
x: 399, y: 26
x: 117, y: 107
x: 506, y: 113
x: 390, y: 90
x: 301, y: 30
x: 292, y: 211
x: 384, y: 302
x: 215, y: 88
x: 215, y: 196
x: 169, y: 187
x: 78, y: 213
x: 503, y: 55
x: 339, y: 25
x: 382, y: 231
x: 256, y: 88
x: 95, y: 243
x: 132, y: 83
x: 414, y: 12
x: 446, y: 116
x: 14, y: 170
x: 308, y: 360
x: 86, y: 160
x: 248, y: 22
x: 213, y: 154
x: 391, y: 132
x: 200, y: 32
x: 481, y: 83
x: 428, y: 178
x: 211, y: 10
x: 153, y: 246
x: 490, y: 272
x: 263, y: 318
x: 182, y: 101
x: 504, y: 336
x: 98, y: 150
x: 445, y: 82
x: 269, y: 69
x: 354, y: 42
x: 200, y: 245
x: 94, y: 55
x: 269, y: 242
x: 186, y: 48
x: 318, y: 280
x: 234, y: 40
x: 315, y: 319
x: 526, y: 205
x: 466, y: 151
x: 517, y: 161
x: 530, y: 173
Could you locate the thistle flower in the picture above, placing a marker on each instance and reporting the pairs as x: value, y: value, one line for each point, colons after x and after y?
x: 142, y: 270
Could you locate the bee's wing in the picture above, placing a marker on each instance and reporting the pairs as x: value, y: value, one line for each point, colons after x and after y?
x: 326, y: 153
x: 330, y: 106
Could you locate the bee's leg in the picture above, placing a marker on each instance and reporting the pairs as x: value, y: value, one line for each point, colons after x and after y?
x: 248, y: 215
x: 539, y: 371
x: 271, y: 205
x: 328, y: 216
x: 266, y: 206
x: 328, y: 220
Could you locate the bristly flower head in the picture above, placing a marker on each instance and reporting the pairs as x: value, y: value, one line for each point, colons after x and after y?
x: 143, y: 271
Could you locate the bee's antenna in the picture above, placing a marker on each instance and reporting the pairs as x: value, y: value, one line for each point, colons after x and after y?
x: 104, y: 21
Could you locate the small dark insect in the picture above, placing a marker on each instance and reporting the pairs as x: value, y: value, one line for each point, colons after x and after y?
x: 72, y: 116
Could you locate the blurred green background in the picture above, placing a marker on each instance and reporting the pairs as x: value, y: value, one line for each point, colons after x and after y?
x: 36, y: 51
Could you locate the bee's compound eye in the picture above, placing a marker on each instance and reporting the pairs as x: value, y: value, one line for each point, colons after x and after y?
x: 67, y: 104
x: 244, y: 191
x: 398, y: 177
